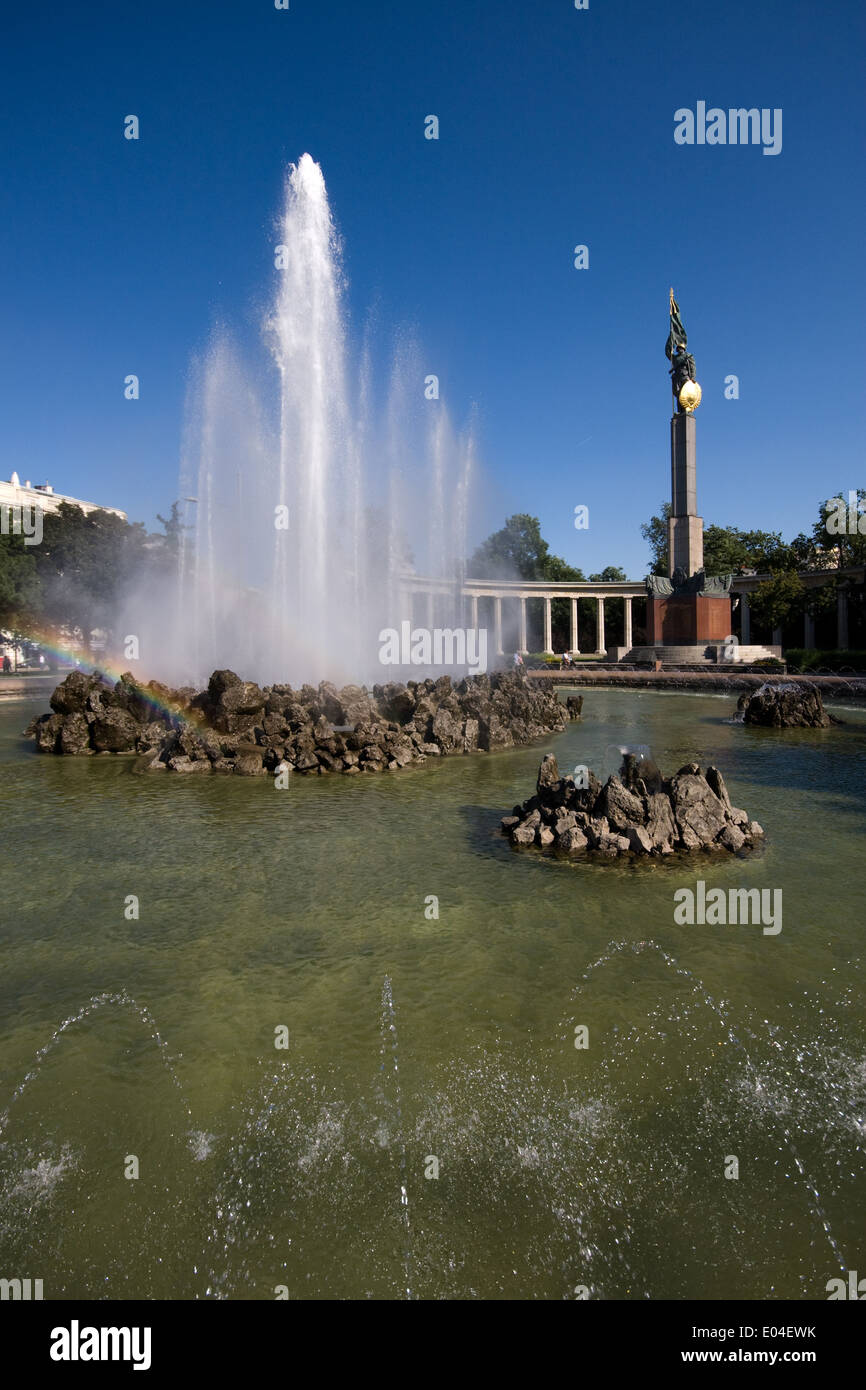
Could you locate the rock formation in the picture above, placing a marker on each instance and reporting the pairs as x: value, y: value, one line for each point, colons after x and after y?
x: 236, y: 726
x: 638, y: 812
x: 784, y: 705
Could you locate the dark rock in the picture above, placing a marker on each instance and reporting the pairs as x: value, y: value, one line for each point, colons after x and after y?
x: 446, y: 731
x: 698, y: 812
x: 114, y: 731
x: 75, y: 735
x: 523, y: 835
x: 784, y: 705
x: 572, y: 839
x: 47, y: 733
x: 660, y: 824
x: 248, y: 764
x: 621, y: 807
x: 690, y: 812
x: 548, y: 776
x: 72, y: 694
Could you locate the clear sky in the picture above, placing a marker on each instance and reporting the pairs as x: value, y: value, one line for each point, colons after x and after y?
x: 556, y: 129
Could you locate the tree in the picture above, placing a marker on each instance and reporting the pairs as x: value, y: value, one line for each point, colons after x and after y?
x: 655, y: 532
x: 727, y: 549
x: 20, y: 590
x: 778, y: 601
x: 519, y: 549
x: 611, y: 574
x: 516, y: 549
x: 174, y: 529
x: 839, y: 534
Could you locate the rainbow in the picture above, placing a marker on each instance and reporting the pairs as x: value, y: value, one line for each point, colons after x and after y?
x: 47, y: 643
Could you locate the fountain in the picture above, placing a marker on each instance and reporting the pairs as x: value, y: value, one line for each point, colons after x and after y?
x: 304, y: 514
x: 309, y: 1185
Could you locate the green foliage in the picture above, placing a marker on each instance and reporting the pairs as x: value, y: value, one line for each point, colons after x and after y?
x: 611, y: 574
x: 77, y: 575
x: 834, y: 544
x: 655, y: 532
x: 519, y: 550
x: 779, y: 600
x: 20, y: 591
x: 807, y: 660
x: 728, y: 550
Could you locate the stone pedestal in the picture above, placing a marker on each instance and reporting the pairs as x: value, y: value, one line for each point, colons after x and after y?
x: 682, y: 619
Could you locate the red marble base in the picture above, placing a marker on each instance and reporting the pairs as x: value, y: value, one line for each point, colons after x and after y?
x: 682, y: 618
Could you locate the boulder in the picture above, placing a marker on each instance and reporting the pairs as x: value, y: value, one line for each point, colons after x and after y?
x: 523, y: 835
x: 47, y: 733
x: 181, y: 763
x: 571, y: 840
x: 621, y: 807
x: 784, y: 705
x: 660, y: 824
x: 248, y: 764
x: 114, y: 731
x: 548, y: 781
x: 698, y: 812
x: 75, y: 735
x: 71, y: 694
x: 639, y: 839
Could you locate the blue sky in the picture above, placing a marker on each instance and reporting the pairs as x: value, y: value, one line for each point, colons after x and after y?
x: 556, y: 128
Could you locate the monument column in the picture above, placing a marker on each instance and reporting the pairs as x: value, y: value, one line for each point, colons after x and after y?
x: 685, y: 527
x: 627, y: 623
x: 688, y: 608
x: 521, y: 641
x: 745, y: 621
x: 574, y: 647
x: 497, y: 624
x: 548, y: 627
x: 602, y: 650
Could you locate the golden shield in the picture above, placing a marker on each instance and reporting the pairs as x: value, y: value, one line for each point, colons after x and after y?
x: 690, y: 396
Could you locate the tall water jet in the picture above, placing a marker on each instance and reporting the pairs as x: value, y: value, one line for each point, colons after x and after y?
x: 307, y: 505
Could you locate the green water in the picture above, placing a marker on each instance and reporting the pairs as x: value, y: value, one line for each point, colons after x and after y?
x: 559, y: 1168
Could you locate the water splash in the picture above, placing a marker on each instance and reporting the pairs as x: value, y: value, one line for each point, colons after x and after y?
x: 389, y: 1039
x: 98, y: 1001
x: 700, y: 989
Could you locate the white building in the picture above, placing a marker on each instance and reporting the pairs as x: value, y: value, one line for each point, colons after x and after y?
x: 18, y: 494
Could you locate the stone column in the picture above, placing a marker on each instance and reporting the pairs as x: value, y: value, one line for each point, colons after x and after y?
x: 602, y: 650
x: 777, y: 637
x: 473, y: 610
x: 574, y: 634
x: 745, y: 621
x: 685, y: 527
x: 429, y: 609
x: 808, y: 631
x: 548, y: 626
x: 521, y: 641
x: 842, y: 619
x: 497, y: 622
x: 627, y: 631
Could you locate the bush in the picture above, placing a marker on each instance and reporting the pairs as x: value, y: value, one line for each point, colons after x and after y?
x: 804, y: 660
